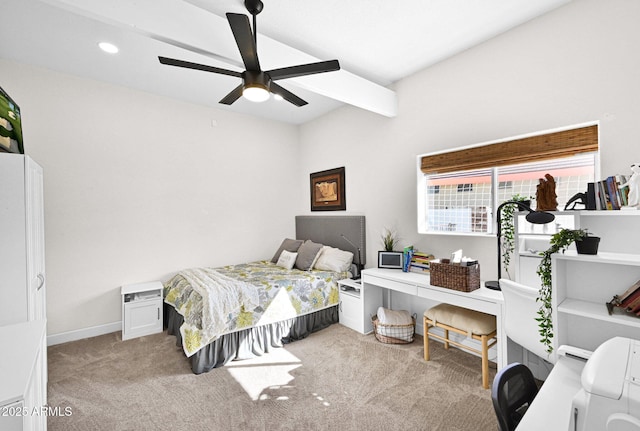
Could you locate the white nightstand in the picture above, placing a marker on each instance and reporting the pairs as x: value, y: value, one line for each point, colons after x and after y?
x: 357, y: 305
x: 141, y: 309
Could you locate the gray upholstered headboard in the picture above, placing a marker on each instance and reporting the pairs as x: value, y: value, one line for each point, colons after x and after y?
x: 335, y: 231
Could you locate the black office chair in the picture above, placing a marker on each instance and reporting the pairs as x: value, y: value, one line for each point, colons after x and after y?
x: 513, y: 390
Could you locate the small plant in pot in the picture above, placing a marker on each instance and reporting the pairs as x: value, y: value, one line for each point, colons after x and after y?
x: 389, y: 240
x: 588, y: 244
x: 559, y: 243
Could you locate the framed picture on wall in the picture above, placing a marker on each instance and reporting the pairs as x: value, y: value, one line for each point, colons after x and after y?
x: 327, y: 190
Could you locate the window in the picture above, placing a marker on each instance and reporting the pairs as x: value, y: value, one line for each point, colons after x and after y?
x: 453, y: 210
x: 466, y: 199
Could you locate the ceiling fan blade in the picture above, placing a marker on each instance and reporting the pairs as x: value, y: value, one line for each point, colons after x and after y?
x: 241, y: 29
x: 196, y: 66
x: 233, y: 96
x: 287, y: 95
x: 304, y: 69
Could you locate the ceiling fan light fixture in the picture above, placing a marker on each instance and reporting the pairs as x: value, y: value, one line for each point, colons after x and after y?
x: 256, y: 92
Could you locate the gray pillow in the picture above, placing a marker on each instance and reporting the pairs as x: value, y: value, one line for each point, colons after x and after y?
x: 288, y: 244
x: 307, y: 255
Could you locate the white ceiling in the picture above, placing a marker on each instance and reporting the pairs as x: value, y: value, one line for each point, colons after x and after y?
x: 377, y: 43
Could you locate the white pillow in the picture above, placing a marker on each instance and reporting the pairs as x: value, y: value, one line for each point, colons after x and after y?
x: 334, y: 259
x: 287, y: 259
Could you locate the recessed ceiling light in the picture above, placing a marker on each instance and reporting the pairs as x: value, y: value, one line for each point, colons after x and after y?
x: 108, y: 47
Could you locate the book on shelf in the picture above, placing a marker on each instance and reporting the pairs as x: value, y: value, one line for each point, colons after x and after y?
x: 623, y: 189
x: 612, y: 192
x: 420, y: 261
x: 634, y: 306
x: 408, y: 255
x: 591, y: 197
x: 624, y: 298
x: 609, y: 194
x: 604, y: 193
x: 414, y: 268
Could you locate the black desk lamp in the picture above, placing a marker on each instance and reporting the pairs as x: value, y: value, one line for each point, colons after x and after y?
x: 535, y: 217
x: 359, y: 257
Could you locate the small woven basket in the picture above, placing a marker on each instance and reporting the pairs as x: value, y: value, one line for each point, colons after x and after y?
x: 394, y: 334
x: 456, y: 277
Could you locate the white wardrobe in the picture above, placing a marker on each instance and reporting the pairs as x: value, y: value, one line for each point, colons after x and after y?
x: 22, y: 272
x: 23, y: 357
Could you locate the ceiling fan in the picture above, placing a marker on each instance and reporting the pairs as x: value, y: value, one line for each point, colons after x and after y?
x: 256, y: 83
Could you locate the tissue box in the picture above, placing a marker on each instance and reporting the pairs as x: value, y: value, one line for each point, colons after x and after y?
x: 464, y: 278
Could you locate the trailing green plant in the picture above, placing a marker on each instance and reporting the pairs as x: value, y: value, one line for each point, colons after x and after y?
x: 507, y: 232
x: 389, y: 240
x: 560, y: 241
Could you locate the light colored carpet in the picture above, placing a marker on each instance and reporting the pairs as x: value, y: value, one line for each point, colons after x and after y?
x: 335, y: 379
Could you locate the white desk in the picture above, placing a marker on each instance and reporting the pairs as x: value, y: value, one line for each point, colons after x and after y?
x: 482, y: 299
x: 551, y: 408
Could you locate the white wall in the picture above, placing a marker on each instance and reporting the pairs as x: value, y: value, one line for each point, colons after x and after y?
x: 576, y: 64
x: 139, y: 186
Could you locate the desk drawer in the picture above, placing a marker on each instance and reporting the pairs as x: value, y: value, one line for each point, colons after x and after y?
x: 409, y: 288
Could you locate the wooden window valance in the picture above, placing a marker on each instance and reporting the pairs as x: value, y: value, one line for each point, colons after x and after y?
x: 554, y: 145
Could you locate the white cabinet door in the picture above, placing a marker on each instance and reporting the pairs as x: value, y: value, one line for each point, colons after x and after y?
x: 22, y: 274
x: 350, y: 311
x: 142, y: 318
x: 34, y: 189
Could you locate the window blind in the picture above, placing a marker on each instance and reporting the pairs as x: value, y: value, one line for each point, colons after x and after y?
x: 564, y: 143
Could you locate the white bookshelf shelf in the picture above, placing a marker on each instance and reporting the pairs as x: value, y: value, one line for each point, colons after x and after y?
x: 596, y: 311
x: 602, y: 257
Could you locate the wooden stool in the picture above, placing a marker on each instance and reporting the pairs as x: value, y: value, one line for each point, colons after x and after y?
x: 474, y: 324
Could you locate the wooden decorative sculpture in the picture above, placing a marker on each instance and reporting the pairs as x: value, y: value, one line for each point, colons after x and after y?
x: 546, y: 198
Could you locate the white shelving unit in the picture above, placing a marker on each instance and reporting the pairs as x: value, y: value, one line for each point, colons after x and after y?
x: 582, y: 285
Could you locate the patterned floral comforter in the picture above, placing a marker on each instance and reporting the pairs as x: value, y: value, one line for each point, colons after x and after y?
x: 257, y: 293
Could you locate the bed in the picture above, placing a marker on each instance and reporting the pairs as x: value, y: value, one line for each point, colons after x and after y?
x: 245, y: 310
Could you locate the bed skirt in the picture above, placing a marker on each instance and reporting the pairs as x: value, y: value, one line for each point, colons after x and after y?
x: 251, y: 342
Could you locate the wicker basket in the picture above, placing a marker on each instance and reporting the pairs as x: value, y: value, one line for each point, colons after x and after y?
x: 456, y: 277
x: 394, y: 334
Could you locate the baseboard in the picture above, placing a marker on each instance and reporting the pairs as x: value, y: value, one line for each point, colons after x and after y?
x: 79, y: 334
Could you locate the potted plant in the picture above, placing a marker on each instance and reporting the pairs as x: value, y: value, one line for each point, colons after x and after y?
x: 559, y: 243
x: 507, y: 232
x: 588, y: 244
x: 389, y: 240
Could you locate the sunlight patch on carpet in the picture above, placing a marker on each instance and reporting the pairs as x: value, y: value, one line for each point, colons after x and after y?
x: 271, y: 371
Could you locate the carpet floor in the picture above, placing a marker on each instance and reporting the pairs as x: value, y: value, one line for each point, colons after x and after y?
x: 336, y: 379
